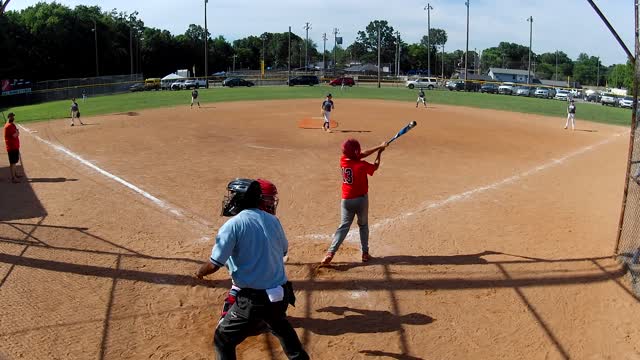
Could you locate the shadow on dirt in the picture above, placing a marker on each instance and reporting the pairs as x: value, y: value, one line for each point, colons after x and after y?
x: 18, y: 201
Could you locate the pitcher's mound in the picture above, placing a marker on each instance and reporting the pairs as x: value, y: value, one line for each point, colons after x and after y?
x: 315, y: 123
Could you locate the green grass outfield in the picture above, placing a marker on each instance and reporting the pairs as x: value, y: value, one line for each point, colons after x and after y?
x: 155, y: 99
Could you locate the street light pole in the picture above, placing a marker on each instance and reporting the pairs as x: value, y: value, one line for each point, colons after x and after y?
x: 428, y: 8
x: 206, y: 47
x: 530, y: 20
x: 307, y: 26
x: 95, y: 37
x: 335, y: 46
x: 466, y: 51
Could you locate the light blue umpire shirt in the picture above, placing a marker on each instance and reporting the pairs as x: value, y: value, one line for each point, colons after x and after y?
x: 252, y: 245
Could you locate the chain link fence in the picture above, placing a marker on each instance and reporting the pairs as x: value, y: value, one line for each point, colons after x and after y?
x: 628, y: 247
x: 62, y: 89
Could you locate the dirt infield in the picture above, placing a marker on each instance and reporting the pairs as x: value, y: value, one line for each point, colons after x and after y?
x: 491, y: 231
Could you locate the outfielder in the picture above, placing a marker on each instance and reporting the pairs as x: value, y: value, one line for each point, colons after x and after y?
x: 421, y: 98
x: 194, y: 97
x: 571, y: 115
x: 355, y: 200
x: 327, y: 106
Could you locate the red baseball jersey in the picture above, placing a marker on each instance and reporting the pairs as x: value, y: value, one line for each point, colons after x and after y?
x: 11, y: 137
x: 354, y: 177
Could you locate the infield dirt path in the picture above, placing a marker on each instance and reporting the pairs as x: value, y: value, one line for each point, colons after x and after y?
x: 492, y: 233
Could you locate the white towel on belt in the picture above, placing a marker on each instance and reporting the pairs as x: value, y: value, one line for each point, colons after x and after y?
x: 276, y: 294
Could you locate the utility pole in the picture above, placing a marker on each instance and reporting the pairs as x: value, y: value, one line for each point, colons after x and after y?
x: 442, y: 61
x: 206, y: 47
x: 556, y: 65
x: 379, y: 74
x: 95, y: 34
x: 307, y: 26
x: 234, y: 62
x: 131, y: 46
x: 428, y: 8
x: 289, y: 64
x: 530, y: 20
x: 324, y: 50
x: 397, y: 54
x: 336, y: 31
x: 598, y: 72
x: 466, y: 51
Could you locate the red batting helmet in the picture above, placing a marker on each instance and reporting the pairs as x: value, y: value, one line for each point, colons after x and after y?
x: 351, y: 149
x: 269, y: 198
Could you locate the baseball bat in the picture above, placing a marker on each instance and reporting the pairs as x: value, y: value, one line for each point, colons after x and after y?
x: 403, y: 131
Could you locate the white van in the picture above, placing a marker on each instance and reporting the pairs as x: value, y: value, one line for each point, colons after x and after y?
x: 423, y: 83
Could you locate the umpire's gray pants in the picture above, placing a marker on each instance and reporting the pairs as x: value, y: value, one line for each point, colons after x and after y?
x: 349, y: 208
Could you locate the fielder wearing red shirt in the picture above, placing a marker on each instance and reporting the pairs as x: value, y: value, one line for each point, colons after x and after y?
x: 355, y: 201
x: 12, y: 142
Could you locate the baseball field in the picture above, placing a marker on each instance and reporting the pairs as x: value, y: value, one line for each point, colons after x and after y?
x: 492, y: 230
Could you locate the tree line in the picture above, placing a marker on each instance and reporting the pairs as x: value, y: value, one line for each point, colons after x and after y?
x: 52, y: 41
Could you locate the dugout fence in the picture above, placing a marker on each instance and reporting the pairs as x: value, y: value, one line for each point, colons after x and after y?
x: 61, y: 89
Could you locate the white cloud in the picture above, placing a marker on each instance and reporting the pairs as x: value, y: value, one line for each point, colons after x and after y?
x: 568, y: 25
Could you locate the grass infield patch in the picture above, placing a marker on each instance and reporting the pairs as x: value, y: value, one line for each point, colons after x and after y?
x: 156, y: 99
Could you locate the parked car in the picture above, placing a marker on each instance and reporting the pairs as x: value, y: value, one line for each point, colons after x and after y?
x: 177, y: 85
x: 490, y: 88
x: 546, y: 93
x: 608, y: 99
x: 506, y: 88
x: 460, y: 85
x: 304, y: 80
x: 592, y: 97
x: 576, y: 93
x: 346, y: 81
x: 136, y: 87
x: 231, y: 82
x: 195, y: 84
x: 423, y: 83
x: 562, y: 95
x: 525, y: 91
x: 626, y: 102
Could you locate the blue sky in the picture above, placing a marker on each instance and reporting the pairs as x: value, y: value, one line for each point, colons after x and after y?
x: 568, y: 25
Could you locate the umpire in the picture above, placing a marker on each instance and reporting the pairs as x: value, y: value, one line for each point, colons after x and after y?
x: 252, y: 245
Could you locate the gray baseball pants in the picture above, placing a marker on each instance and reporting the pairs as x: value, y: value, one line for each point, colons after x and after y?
x: 349, y: 209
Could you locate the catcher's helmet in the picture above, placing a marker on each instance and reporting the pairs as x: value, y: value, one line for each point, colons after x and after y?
x: 351, y: 149
x: 269, y: 197
x: 242, y: 194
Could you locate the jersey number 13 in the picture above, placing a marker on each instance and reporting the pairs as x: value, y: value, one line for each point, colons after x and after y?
x: 347, y: 175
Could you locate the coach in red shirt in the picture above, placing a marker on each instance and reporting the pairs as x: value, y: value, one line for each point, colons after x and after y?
x: 12, y: 141
x: 355, y: 187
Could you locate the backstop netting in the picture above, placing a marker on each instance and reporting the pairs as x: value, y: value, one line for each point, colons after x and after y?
x: 628, y: 248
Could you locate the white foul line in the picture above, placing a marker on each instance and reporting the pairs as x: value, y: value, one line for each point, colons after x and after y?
x: 164, y: 205
x: 429, y: 205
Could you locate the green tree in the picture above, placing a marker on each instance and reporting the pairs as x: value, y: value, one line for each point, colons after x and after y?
x: 368, y: 40
x: 585, y: 70
x: 621, y: 76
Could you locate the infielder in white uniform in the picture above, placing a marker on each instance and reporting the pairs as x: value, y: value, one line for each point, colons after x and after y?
x: 571, y: 115
x: 327, y: 106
